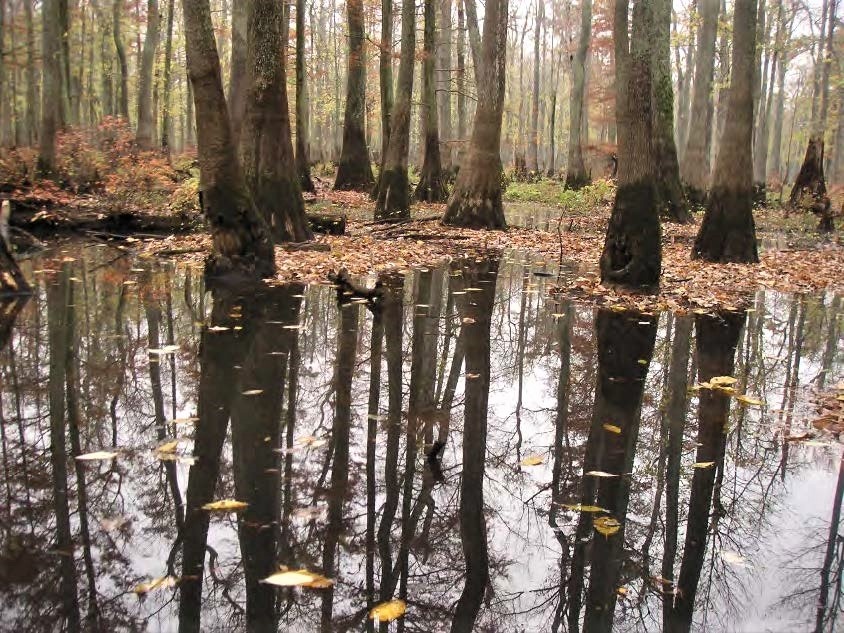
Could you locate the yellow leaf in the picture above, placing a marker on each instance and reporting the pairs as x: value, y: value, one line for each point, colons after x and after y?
x: 722, y: 381
x: 152, y: 585
x: 581, y: 508
x: 298, y: 578
x: 748, y: 400
x: 612, y: 428
x: 225, y: 505
x: 621, y: 591
x: 472, y: 376
x: 97, y: 455
x: 388, y: 611
x: 600, y: 473
x: 533, y: 460
x: 468, y: 321
x: 168, y: 447
x: 703, y: 464
x: 253, y: 392
x: 606, y: 525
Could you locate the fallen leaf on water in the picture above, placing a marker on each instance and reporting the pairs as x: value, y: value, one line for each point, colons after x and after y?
x: 703, y: 464
x: 298, y: 578
x: 113, y: 523
x: 606, y: 525
x: 152, y: 585
x: 581, y: 508
x: 388, y: 611
x: 167, y: 349
x: 225, y: 505
x: 182, y: 421
x: 748, y: 400
x: 168, y: 447
x: 612, y: 428
x: 600, y: 473
x: 252, y: 392
x: 722, y: 381
x: 96, y: 455
x: 472, y: 376
x: 621, y: 591
x: 218, y: 328
x: 468, y: 321
x: 297, y: 326
x: 310, y: 440
x: 533, y: 460
x: 733, y: 558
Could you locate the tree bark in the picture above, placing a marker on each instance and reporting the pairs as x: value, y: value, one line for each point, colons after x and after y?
x: 393, y: 195
x: 117, y: 11
x: 444, y: 82
x: 461, y: 80
x: 52, y: 118
x: 576, y: 176
x: 385, y: 75
x: 694, y: 169
x: 727, y: 233
x: 670, y: 195
x: 303, y: 167
x: 31, y: 81
x: 241, y: 239
x: 632, y: 253
x: 474, y: 37
x: 265, y: 144
x: 238, y: 72
x: 431, y: 187
x: 146, y: 123
x: 355, y: 171
x: 775, y: 159
x: 533, y: 143
x: 166, y: 118
x: 476, y: 200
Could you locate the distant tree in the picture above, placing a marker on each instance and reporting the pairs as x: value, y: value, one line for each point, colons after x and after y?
x: 354, y: 171
x: 431, y: 187
x: 303, y: 167
x: 576, y: 176
x: 237, y: 68
x: 533, y: 142
x: 146, y: 122
x: 241, y: 239
x: 120, y: 50
x: 385, y: 75
x: 727, y: 233
x: 632, y: 254
x: 52, y: 100
x: 476, y: 200
x: 265, y: 144
x: 393, y: 195
x: 166, y: 116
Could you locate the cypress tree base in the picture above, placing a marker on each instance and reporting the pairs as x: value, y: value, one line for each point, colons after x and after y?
x: 632, y: 254
x: 393, y: 195
x: 576, y: 180
x: 476, y: 200
x: 727, y: 233
x: 279, y: 200
x: 810, y: 186
x: 431, y: 187
x: 354, y: 173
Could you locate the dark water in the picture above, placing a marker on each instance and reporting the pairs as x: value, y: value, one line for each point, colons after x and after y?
x: 320, y: 417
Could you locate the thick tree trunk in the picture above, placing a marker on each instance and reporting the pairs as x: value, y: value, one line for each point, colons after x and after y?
x: 444, y: 82
x: 241, y: 239
x: 51, y: 91
x: 775, y: 159
x: 31, y: 81
x: 474, y: 37
x: 461, y: 80
x: 385, y: 75
x: 303, y: 167
x: 265, y: 144
x: 632, y: 253
x: 476, y: 201
x: 238, y: 72
x: 576, y: 176
x: 727, y: 233
x: 533, y: 142
x: 166, y: 117
x: 116, y: 17
x: 671, y: 197
x: 355, y: 171
x: 431, y: 187
x: 393, y: 195
x: 694, y: 169
x: 146, y: 123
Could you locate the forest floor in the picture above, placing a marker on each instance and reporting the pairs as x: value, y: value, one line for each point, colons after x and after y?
x: 561, y: 229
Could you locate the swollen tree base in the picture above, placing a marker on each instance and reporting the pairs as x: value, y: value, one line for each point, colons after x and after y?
x: 476, y: 200
x: 279, y: 200
x: 576, y: 180
x: 431, y: 187
x: 354, y: 173
x: 727, y: 233
x: 810, y: 185
x: 393, y: 200
x: 632, y: 252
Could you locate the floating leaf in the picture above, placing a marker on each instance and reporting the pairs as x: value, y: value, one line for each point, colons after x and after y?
x: 606, y: 525
x: 468, y: 321
x: 533, y: 460
x: 472, y: 376
x: 310, y: 440
x: 722, y: 381
x: 96, y: 455
x: 733, y: 558
x: 703, y: 464
x: 225, y: 505
x: 642, y: 361
x: 600, y: 473
x: 748, y: 400
x: 298, y: 578
x: 152, y: 585
x: 612, y: 428
x: 218, y: 328
x: 621, y: 591
x: 183, y: 421
x: 168, y: 447
x: 252, y: 392
x: 167, y: 349
x: 576, y: 507
x: 297, y: 326
x: 388, y: 611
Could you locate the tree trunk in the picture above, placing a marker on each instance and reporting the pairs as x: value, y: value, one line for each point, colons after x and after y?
x: 146, y: 123
x: 476, y: 201
x: 385, y: 75
x: 31, y: 80
x: 461, y: 81
x: 431, y: 187
x: 837, y: 170
x: 355, y: 171
x: 727, y: 233
x: 51, y: 92
x: 474, y: 37
x: 238, y: 71
x: 533, y: 143
x: 265, y: 145
x: 576, y: 176
x: 632, y: 253
x: 12, y: 280
x: 775, y: 159
x: 684, y: 87
x: 241, y: 239
x: 117, y: 11
x: 393, y: 196
x: 303, y: 167
x: 444, y: 82
x: 694, y: 169
x: 166, y: 118
x: 670, y: 195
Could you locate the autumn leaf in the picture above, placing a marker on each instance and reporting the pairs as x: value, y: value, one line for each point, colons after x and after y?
x: 600, y: 473
x: 722, y: 381
x: 252, y: 392
x: 388, y: 611
x: 606, y: 525
x: 703, y: 464
x: 612, y: 428
x: 158, y: 583
x: 576, y: 507
x: 298, y: 578
x: 97, y: 455
x: 533, y: 460
x: 225, y: 505
x: 168, y: 447
x: 750, y: 401
x: 468, y: 321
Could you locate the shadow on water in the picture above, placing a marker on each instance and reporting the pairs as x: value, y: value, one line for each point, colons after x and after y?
x: 496, y: 459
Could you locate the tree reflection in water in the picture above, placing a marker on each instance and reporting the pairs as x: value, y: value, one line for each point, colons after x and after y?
x: 322, y: 419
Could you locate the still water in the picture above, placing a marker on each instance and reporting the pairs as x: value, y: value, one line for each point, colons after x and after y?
x: 578, y: 480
